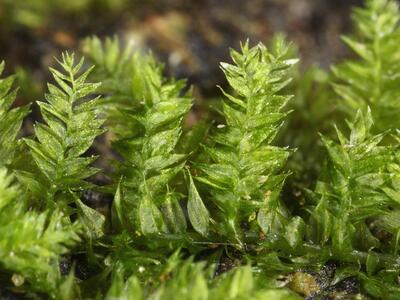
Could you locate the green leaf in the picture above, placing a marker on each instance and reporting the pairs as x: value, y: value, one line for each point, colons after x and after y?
x: 371, y: 79
x: 129, y: 290
x: 394, y: 195
x: 294, y: 232
x: 10, y: 119
x: 31, y: 242
x: 372, y: 262
x: 117, y: 214
x: 93, y: 221
x: 270, y: 221
x: 148, y: 216
x: 321, y: 223
x: 360, y: 48
x: 173, y: 214
x: 68, y: 289
x: 8, y: 193
x: 198, y: 214
x: 72, y: 124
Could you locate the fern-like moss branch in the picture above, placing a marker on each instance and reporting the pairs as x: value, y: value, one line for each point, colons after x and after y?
x: 245, y: 174
x: 72, y: 123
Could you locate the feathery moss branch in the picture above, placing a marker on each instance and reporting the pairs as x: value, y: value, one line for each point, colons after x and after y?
x: 373, y: 78
x: 10, y: 119
x: 245, y: 174
x: 72, y: 123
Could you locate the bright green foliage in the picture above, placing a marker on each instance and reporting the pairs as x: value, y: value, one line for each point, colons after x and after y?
x: 314, y: 113
x: 10, y: 120
x: 373, y: 79
x: 124, y: 87
x: 204, y: 216
x: 241, y: 283
x: 192, y: 281
x: 246, y: 174
x: 120, y: 72
x: 352, y: 189
x: 30, y: 242
x: 390, y: 220
x: 197, y: 212
x: 67, y: 288
x: 150, y: 159
x: 129, y: 290
x: 72, y: 124
x: 384, y: 285
x: 145, y: 113
x: 356, y: 214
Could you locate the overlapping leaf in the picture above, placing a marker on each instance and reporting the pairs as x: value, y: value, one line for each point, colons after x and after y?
x: 72, y: 122
x: 245, y: 175
x: 373, y: 78
x: 10, y: 119
x: 30, y: 242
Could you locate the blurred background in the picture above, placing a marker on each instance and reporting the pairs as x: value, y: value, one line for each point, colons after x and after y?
x: 190, y: 36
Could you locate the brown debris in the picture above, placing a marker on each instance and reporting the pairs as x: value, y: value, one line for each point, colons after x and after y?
x: 304, y: 283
